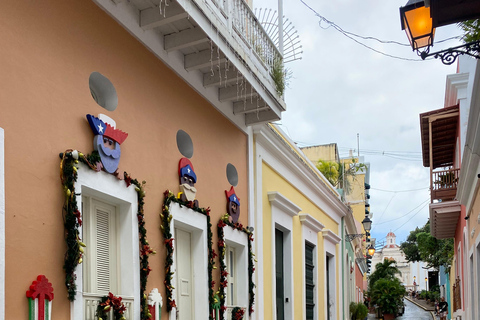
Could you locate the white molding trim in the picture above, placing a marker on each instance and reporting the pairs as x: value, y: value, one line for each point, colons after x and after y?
x: 287, y: 206
x: 2, y: 224
x: 329, y: 235
x: 283, y: 212
x: 311, y: 222
x: 468, y: 181
x: 286, y: 160
x: 107, y: 187
x: 238, y: 240
x: 195, y: 223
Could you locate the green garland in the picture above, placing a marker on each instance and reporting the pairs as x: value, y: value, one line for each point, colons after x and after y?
x: 106, y: 304
x: 224, y: 221
x: 237, y: 313
x: 72, y: 221
x: 166, y: 217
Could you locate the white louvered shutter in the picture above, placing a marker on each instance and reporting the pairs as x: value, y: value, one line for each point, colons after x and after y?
x: 100, y: 224
x: 103, y: 248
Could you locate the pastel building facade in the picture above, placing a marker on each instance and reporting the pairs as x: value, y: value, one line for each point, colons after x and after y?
x: 169, y: 74
x: 454, y: 179
x: 298, y: 218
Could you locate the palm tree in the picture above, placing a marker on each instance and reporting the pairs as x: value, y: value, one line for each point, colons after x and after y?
x: 383, y: 270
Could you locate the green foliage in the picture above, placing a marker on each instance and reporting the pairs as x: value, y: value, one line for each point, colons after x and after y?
x: 383, y: 270
x: 388, y: 295
x: 330, y: 170
x: 278, y: 76
x: 471, y: 29
x: 358, y: 311
x: 422, y: 246
x: 340, y: 175
x: 410, y: 247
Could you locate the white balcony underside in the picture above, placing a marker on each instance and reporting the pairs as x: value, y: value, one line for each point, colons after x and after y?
x: 211, y: 49
x: 444, y: 218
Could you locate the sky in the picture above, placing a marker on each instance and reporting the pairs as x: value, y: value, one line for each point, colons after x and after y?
x: 340, y: 89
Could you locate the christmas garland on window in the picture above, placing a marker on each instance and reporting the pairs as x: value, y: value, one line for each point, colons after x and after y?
x: 72, y: 221
x: 237, y: 313
x: 166, y: 217
x: 106, y: 304
x: 224, y: 221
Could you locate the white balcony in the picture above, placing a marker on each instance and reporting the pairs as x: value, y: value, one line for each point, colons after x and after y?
x: 217, y: 46
x: 90, y: 303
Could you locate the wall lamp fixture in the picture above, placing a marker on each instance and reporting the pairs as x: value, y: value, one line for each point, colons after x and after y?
x: 418, y: 24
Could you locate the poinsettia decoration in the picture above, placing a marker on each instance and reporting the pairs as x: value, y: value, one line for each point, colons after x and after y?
x: 224, y: 221
x: 237, y: 313
x: 166, y: 217
x: 108, y: 303
x: 72, y: 221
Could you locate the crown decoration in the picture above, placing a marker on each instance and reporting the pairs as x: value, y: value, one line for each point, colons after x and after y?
x: 100, y: 127
x: 231, y: 196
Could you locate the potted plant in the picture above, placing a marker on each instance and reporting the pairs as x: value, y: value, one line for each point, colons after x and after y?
x: 358, y: 311
x: 388, y: 295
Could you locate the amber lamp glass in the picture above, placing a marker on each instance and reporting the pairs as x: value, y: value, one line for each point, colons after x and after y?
x: 371, y: 251
x: 417, y: 23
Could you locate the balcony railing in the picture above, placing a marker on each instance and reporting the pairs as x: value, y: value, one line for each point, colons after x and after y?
x: 457, y: 295
x: 247, y: 26
x: 90, y: 303
x: 444, y: 184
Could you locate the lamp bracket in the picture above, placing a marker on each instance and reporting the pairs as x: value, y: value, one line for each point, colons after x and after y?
x: 448, y: 56
x: 350, y: 237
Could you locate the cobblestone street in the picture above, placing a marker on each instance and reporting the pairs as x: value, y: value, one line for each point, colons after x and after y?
x: 412, y: 312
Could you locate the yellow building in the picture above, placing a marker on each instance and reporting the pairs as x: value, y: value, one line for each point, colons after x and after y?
x: 297, y: 218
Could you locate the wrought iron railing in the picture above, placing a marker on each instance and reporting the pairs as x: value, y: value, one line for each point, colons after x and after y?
x: 251, y: 31
x: 90, y: 303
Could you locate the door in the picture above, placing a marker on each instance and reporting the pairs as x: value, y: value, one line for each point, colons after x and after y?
x: 280, y: 296
x: 184, y: 274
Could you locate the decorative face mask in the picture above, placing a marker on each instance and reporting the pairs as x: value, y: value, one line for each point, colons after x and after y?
x: 107, y: 141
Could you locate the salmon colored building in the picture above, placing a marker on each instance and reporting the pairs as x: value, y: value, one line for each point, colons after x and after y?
x: 183, y: 80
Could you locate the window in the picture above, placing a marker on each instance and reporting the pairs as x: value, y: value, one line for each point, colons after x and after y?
x: 100, y: 236
x: 110, y: 231
x: 309, y: 281
x: 236, y: 262
x: 283, y: 211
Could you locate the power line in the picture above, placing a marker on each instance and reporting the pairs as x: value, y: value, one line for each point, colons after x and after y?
x: 427, y: 202
x: 350, y: 35
x: 406, y: 214
x: 397, y: 191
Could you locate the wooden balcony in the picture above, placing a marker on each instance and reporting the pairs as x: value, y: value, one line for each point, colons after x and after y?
x: 444, y: 184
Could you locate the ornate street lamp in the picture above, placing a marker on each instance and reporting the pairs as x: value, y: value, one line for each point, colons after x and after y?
x: 370, y: 251
x: 367, y: 226
x: 417, y: 22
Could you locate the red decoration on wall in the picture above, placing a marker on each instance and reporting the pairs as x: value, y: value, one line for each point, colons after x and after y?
x: 41, y: 289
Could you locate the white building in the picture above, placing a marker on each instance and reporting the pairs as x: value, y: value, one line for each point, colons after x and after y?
x: 392, y: 251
